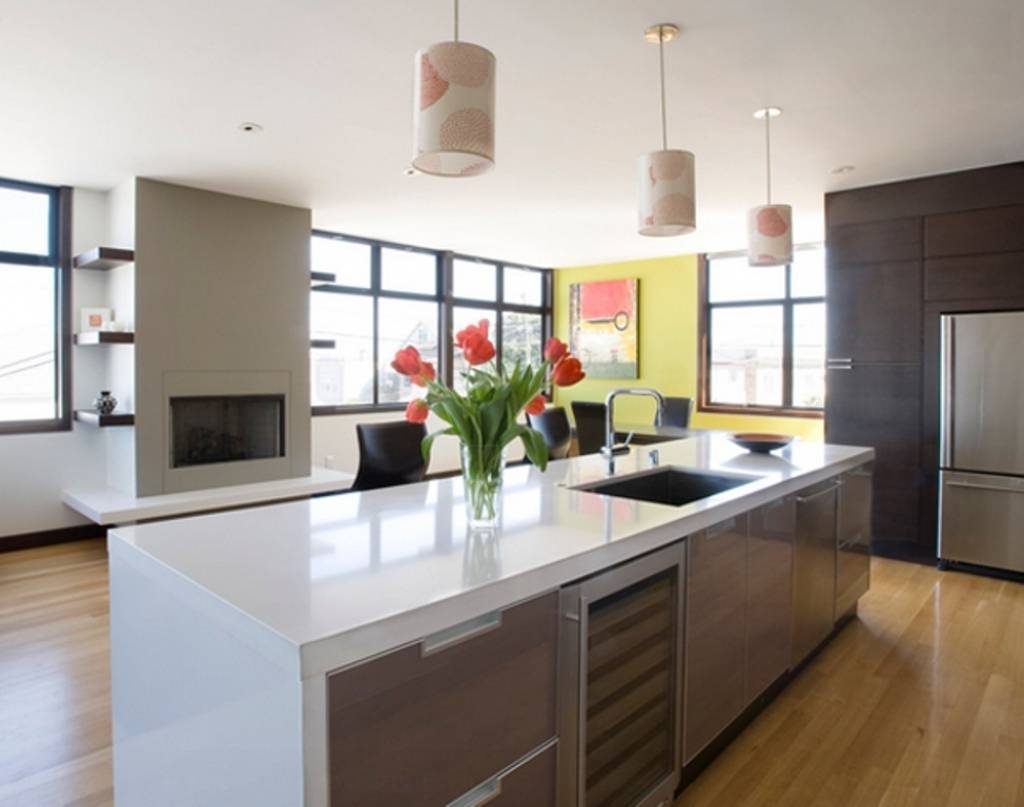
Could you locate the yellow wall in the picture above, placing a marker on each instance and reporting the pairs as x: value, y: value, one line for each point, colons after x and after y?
x: 668, y: 345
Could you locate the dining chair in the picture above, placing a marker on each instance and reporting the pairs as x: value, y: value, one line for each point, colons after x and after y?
x: 553, y: 424
x: 589, y: 419
x: 389, y: 454
x: 676, y: 412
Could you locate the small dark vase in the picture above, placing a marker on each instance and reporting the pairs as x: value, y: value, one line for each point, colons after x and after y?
x: 105, y: 403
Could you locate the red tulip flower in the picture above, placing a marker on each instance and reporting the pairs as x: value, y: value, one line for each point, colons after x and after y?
x: 407, y: 361
x: 480, y: 351
x: 472, y: 333
x: 567, y: 372
x: 417, y: 411
x: 555, y: 349
x: 425, y: 375
x: 476, y: 347
x: 536, y: 405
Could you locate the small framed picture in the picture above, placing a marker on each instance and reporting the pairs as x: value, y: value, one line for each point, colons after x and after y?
x: 95, y: 319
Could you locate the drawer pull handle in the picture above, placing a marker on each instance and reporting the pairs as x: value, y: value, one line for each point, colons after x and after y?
x: 975, y: 486
x: 813, y: 496
x: 462, y: 632
x: 482, y: 794
x: 724, y: 526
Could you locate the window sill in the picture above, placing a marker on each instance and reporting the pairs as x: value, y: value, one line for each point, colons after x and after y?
x: 358, y: 409
x: 758, y: 411
x: 34, y: 426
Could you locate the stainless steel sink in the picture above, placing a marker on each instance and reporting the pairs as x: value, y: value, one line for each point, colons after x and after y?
x: 670, y: 486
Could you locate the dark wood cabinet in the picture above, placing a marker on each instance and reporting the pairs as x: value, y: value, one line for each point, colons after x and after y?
x: 427, y: 723
x: 974, y: 277
x: 975, y: 232
x: 875, y: 241
x: 900, y: 254
x: 879, y: 406
x: 874, y: 311
x: 769, y: 595
x: 716, y: 608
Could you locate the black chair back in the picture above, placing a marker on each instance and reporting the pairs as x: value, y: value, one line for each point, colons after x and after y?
x: 677, y: 412
x: 389, y: 454
x: 589, y: 419
x: 553, y: 424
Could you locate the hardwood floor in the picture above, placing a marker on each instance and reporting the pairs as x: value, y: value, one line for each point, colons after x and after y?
x: 921, y: 702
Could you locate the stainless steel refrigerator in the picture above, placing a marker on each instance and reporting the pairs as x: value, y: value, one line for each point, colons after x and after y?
x: 981, y: 510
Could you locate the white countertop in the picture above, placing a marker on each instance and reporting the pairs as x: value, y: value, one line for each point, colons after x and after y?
x: 341, y: 578
x: 111, y: 506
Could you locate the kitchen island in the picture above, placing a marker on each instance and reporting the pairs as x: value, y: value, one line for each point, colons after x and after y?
x: 356, y: 649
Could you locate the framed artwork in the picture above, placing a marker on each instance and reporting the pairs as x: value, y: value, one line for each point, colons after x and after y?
x: 95, y: 319
x: 603, y: 327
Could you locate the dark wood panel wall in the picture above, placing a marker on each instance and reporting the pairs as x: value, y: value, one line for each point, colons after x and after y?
x: 900, y: 255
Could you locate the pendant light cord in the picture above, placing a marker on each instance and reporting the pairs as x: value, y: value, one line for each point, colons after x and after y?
x: 661, y: 64
x: 456, y: 20
x: 768, y: 154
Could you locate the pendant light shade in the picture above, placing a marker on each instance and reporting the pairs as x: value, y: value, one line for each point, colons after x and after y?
x: 666, y: 180
x: 667, y: 198
x: 453, y: 108
x: 769, y: 226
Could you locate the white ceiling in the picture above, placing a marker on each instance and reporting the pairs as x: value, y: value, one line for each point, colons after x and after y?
x: 95, y: 92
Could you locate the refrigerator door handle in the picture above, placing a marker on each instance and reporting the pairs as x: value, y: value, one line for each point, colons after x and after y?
x: 946, y: 398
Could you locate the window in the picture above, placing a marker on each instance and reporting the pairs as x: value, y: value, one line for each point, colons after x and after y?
x: 369, y: 299
x: 34, y: 308
x: 763, y: 335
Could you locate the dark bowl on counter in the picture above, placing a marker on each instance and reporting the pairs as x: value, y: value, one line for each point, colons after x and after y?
x: 761, y: 443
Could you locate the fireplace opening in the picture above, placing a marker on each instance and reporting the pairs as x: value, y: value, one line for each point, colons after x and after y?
x: 226, y: 428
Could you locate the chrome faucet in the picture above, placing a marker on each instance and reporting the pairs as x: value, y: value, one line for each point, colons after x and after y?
x: 609, y: 450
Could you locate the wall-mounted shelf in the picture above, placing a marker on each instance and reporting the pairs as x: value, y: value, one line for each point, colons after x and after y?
x: 96, y: 419
x: 105, y: 338
x: 322, y: 344
x: 104, y: 258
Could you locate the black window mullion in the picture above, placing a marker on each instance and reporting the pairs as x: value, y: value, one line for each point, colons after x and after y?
x: 499, y: 307
x: 445, y: 348
x: 375, y: 258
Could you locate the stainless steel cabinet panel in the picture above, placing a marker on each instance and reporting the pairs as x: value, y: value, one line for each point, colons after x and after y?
x: 716, y: 608
x: 982, y: 520
x: 853, y: 539
x: 982, y: 390
x: 769, y: 594
x: 814, y: 568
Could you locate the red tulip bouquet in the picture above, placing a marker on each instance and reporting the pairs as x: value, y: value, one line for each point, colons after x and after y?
x: 485, y: 417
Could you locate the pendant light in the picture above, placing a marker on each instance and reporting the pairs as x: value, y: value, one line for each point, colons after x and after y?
x: 453, y: 108
x: 769, y: 226
x: 667, y: 204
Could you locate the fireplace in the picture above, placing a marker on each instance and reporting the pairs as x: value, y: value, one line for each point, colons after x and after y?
x: 207, y: 429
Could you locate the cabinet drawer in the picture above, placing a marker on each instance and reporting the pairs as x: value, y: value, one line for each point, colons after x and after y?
x: 530, y: 783
x: 429, y: 722
x: 716, y: 597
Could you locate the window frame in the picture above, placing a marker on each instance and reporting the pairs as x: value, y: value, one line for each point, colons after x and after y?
x: 59, y: 258
x: 788, y: 303
x: 446, y: 302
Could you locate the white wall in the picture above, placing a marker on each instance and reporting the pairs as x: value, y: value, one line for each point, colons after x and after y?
x: 35, y: 467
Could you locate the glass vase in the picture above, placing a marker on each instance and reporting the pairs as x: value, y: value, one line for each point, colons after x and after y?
x: 482, y: 469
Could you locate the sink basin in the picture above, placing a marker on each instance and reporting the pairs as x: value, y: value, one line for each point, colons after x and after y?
x: 668, y: 486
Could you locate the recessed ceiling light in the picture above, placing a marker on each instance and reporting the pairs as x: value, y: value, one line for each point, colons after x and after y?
x: 249, y: 126
x: 843, y: 169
